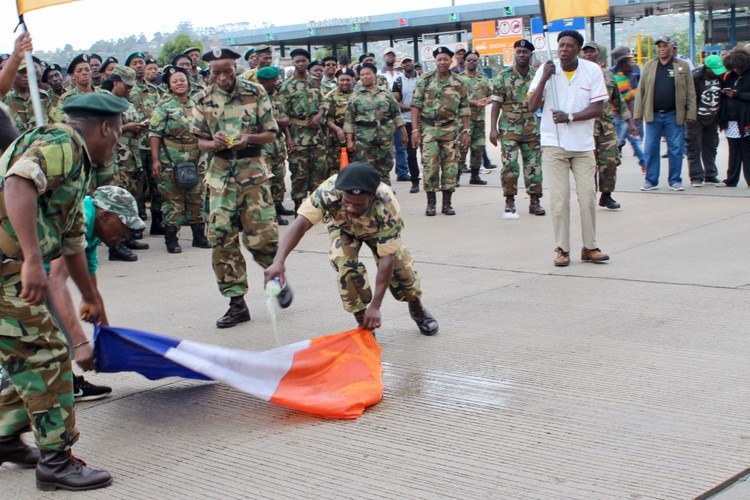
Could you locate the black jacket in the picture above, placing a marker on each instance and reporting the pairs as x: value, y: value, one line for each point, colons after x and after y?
x: 738, y: 106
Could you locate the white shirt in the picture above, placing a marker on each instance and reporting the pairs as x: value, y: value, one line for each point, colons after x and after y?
x: 586, y: 87
x: 389, y: 75
x: 407, y: 91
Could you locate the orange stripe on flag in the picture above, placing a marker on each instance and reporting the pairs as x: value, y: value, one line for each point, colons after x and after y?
x: 338, y: 376
x: 565, y: 9
x: 27, y: 5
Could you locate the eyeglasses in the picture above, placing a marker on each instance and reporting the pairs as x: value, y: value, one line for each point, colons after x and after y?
x: 330, y: 64
x: 473, y: 59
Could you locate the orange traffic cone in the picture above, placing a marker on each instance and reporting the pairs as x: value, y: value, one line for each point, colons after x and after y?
x: 344, y: 158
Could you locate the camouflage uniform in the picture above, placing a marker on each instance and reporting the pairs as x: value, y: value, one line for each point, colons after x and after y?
x: 327, y: 85
x: 145, y: 96
x: 37, y: 381
x: 250, y: 75
x: 335, y: 109
x: 56, y: 114
x: 380, y: 230
x: 442, y: 102
x: 23, y: 109
x: 371, y: 116
x: 127, y: 163
x: 239, y: 188
x: 300, y: 100
x: 519, y: 130
x: 605, y: 133
x: 274, y: 156
x: 479, y: 87
x: 170, y: 121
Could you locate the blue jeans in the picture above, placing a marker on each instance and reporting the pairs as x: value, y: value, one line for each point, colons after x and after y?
x: 664, y: 124
x: 402, y: 164
x: 623, y: 133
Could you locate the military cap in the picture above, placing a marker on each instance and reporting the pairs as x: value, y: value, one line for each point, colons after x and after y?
x: 96, y: 56
x: 219, y: 53
x: 389, y: 50
x: 171, y: 70
x: 267, y: 73
x: 299, y: 52
x: 365, y: 55
x: 135, y: 55
x: 107, y: 62
x: 314, y: 63
x: 328, y: 58
x: 473, y: 52
x: 121, y: 203
x: 442, y: 50
x: 204, y: 71
x: 524, y: 44
x: 125, y: 74
x: 176, y: 58
x: 369, y: 66
x: 151, y: 60
x: 345, y: 71
x: 191, y: 49
x: 358, y: 178
x: 95, y: 104
x: 663, y: 39
x: 263, y: 48
x: 248, y: 53
x: 573, y: 34
x: 76, y: 61
x: 49, y: 69
x: 590, y: 45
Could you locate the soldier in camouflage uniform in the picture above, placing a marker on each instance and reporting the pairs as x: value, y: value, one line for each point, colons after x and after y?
x: 194, y: 54
x: 52, y: 76
x: 300, y: 99
x: 233, y: 118
x: 371, y: 115
x: 382, y: 81
x: 440, y: 101
x: 480, y: 90
x: 359, y: 209
x: 172, y: 143
x: 44, y: 176
x: 334, y: 110
x: 274, y: 154
x: 19, y: 99
x: 518, y: 130
x: 79, y: 71
x: 328, y: 82
x: 264, y: 59
x: 108, y: 65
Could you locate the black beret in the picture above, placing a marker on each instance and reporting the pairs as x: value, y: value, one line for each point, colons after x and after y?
x: 151, y: 60
x: 328, y: 58
x: 524, y: 44
x: 191, y: 49
x: 95, y: 104
x: 346, y: 71
x: 107, y: 62
x: 366, y: 54
x: 299, y: 52
x: 204, y: 71
x: 49, y: 69
x: 369, y: 66
x: 135, y: 55
x: 358, y: 178
x: 473, y: 52
x: 314, y: 63
x: 77, y: 60
x: 442, y: 50
x: 180, y: 56
x: 573, y: 34
x: 171, y: 70
x: 96, y: 56
x: 219, y: 53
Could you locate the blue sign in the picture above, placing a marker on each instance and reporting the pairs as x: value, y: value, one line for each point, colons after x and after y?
x: 575, y: 23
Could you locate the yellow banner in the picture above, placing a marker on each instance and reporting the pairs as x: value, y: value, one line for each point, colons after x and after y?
x: 25, y: 6
x: 565, y: 9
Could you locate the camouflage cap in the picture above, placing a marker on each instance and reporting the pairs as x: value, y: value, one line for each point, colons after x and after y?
x: 663, y: 39
x: 590, y: 45
x: 358, y: 178
x: 121, y: 203
x: 267, y: 73
x: 80, y: 58
x: 124, y: 74
x: 135, y: 55
x: 95, y: 104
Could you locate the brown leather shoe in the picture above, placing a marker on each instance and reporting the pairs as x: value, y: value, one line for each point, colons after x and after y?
x: 237, y: 313
x: 60, y: 469
x: 563, y: 258
x: 593, y: 255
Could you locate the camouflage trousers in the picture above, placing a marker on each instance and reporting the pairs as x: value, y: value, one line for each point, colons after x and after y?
x: 129, y: 173
x: 247, y: 212
x: 531, y: 154
x: 607, y: 156
x: 380, y: 157
x: 36, y: 384
x: 333, y: 153
x: 151, y: 190
x: 354, y: 287
x: 309, y: 167
x: 476, y: 133
x: 277, y: 166
x: 180, y: 207
x: 440, y: 157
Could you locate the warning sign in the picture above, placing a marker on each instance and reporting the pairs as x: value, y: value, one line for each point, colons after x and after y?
x: 512, y: 26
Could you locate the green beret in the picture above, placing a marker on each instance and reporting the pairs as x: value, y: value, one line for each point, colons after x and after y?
x: 191, y: 49
x: 268, y: 73
x: 80, y: 58
x: 121, y: 203
x: 135, y: 55
x: 125, y: 74
x: 95, y: 104
x: 248, y: 53
x: 358, y: 178
x: 218, y: 53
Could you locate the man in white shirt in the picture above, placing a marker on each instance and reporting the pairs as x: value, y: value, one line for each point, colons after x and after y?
x: 572, y: 95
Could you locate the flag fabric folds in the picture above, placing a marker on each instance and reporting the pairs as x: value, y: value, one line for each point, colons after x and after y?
x: 336, y: 376
x: 25, y: 6
x: 565, y: 9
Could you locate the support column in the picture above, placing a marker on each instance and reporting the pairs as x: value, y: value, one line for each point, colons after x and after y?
x: 692, y: 31
x: 282, y: 49
x: 612, y: 41
x: 416, y: 48
x: 592, y: 30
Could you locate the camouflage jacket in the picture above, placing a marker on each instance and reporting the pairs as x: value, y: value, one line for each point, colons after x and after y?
x: 382, y: 223
x: 335, y: 106
x: 55, y: 159
x: 144, y: 97
x: 327, y: 85
x: 300, y: 99
x: 56, y: 114
x: 23, y: 109
x: 511, y: 90
x: 277, y: 149
x: 250, y: 75
x: 617, y: 103
x: 381, y: 82
x: 479, y: 87
x: 370, y: 116
x: 170, y: 121
x: 442, y: 101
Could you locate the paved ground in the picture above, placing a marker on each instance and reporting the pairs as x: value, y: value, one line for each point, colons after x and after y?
x: 621, y: 380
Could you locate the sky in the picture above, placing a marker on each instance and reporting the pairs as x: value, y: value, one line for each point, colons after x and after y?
x: 84, y: 22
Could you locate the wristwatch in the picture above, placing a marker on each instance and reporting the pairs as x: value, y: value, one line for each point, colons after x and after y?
x: 570, y: 117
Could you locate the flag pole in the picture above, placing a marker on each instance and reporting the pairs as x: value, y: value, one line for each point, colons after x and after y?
x: 555, y: 101
x: 31, y: 75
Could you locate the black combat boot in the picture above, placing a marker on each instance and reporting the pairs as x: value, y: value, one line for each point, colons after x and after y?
x: 475, y: 179
x: 133, y: 244
x: 486, y: 160
x: 510, y: 208
x: 121, y: 252
x: 237, y: 313
x: 431, y: 202
x: 171, y: 240
x: 281, y: 210
x: 427, y: 324
x: 414, y: 186
x: 279, y: 219
x: 447, y: 208
x: 360, y: 317
x: 157, y: 229
x: 60, y: 469
x: 535, y: 208
x: 297, y: 204
x: 199, y: 236
x: 606, y: 201
x: 14, y: 451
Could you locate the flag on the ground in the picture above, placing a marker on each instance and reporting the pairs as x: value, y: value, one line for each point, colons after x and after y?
x: 336, y: 376
x: 565, y: 9
x: 26, y: 5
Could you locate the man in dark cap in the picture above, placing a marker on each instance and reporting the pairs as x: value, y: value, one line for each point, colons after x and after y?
x: 300, y: 98
x: 251, y: 58
x: 194, y: 53
x: 44, y: 176
x: 151, y: 72
x: 95, y: 61
x: 315, y: 68
x: 334, y: 110
x: 480, y: 90
x: 233, y: 119
x: 459, y: 65
x: 328, y: 82
x: 263, y: 57
x: 360, y: 209
x: 518, y: 131
x: 52, y: 76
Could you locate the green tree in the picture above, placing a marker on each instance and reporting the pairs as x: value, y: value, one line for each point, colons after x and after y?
x: 683, y: 43
x: 175, y: 47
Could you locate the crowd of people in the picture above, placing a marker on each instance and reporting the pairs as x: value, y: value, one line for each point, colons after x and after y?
x: 209, y: 149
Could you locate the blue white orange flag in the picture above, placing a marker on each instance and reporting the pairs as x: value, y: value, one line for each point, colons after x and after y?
x: 566, y: 9
x: 336, y: 376
x: 25, y: 6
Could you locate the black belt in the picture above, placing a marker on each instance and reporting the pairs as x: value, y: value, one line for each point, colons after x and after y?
x: 372, y: 124
x: 664, y: 111
x: 433, y: 123
x: 228, y: 154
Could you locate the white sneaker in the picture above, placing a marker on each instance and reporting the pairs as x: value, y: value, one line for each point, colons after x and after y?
x: 676, y: 187
x: 696, y: 183
x: 483, y: 170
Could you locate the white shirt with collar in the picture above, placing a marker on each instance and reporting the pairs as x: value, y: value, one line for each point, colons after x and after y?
x: 586, y: 87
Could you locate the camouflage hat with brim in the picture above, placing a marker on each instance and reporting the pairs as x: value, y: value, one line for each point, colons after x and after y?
x: 121, y: 203
x: 95, y: 104
x: 124, y: 74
